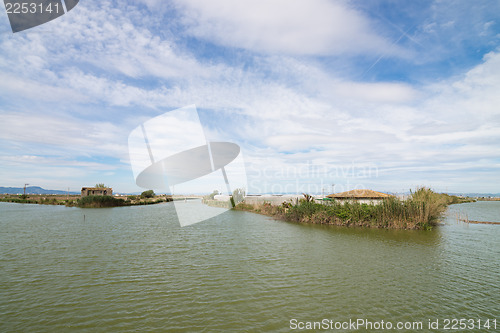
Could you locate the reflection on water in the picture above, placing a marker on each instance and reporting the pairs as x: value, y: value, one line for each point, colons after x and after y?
x: 134, y: 268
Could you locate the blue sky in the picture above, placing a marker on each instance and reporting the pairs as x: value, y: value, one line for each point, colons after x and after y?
x: 388, y: 95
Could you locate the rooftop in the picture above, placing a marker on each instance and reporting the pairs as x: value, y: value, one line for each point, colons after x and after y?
x: 359, y: 194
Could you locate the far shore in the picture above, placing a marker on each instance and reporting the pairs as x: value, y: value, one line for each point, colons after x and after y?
x: 76, y: 200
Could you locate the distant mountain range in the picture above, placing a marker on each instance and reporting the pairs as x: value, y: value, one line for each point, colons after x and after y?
x: 478, y: 195
x: 471, y: 195
x: 31, y: 190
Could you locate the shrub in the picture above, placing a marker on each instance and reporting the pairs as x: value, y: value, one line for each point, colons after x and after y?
x: 238, y: 195
x: 148, y: 194
x: 99, y: 201
x: 211, y: 196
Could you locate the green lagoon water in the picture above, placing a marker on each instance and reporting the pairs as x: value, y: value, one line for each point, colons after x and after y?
x: 134, y: 269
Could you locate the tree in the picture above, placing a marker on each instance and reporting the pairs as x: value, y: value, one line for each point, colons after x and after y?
x: 238, y: 195
x: 148, y: 194
x: 212, y: 196
x: 100, y: 185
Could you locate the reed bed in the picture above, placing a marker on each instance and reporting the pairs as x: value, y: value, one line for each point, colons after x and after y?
x: 421, y: 210
x: 99, y: 201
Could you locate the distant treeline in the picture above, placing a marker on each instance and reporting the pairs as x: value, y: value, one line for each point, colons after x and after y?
x: 92, y: 201
x: 34, y: 200
x: 421, y: 210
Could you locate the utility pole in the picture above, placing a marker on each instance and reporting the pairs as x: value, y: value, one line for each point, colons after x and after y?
x: 25, y: 190
x: 333, y: 188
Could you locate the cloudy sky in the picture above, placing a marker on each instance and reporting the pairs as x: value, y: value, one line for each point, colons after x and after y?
x: 383, y: 94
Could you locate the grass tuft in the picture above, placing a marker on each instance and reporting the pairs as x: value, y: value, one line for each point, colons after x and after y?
x: 421, y: 210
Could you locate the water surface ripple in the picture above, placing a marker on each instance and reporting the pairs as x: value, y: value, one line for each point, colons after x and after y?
x: 133, y: 269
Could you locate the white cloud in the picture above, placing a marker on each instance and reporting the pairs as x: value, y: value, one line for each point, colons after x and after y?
x: 296, y: 27
x: 12, y: 85
x: 380, y: 92
x: 451, y: 126
x: 282, y: 109
x: 72, y: 136
x: 44, y: 162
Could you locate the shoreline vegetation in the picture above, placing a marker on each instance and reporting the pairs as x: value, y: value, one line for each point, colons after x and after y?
x: 421, y: 210
x: 488, y: 199
x: 92, y: 201
x: 230, y: 202
x: 479, y: 222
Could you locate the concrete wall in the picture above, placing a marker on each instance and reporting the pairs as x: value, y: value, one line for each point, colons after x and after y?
x: 274, y: 200
x: 277, y: 200
x: 222, y: 197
